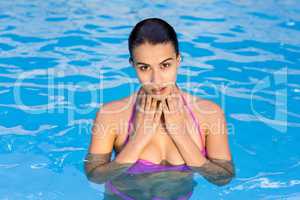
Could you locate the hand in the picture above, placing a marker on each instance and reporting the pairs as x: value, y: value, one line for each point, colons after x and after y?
x: 148, y: 114
x: 174, y: 113
x: 147, y: 118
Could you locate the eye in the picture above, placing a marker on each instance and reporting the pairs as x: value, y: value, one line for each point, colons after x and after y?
x: 144, y: 68
x: 166, y: 65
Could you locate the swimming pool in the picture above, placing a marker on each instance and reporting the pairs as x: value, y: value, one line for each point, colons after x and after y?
x: 60, y: 60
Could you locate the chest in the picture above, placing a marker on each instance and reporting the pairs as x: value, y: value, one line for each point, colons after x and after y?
x: 162, y: 149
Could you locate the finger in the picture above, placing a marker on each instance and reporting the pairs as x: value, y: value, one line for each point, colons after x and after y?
x: 142, y: 102
x: 165, y: 109
x: 181, y: 104
x: 171, y: 105
x: 153, y: 105
x: 158, y: 112
x: 148, y: 102
x: 139, y: 92
x: 175, y: 103
x: 166, y: 104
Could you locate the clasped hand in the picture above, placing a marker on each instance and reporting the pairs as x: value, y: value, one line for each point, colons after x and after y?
x: 151, y: 111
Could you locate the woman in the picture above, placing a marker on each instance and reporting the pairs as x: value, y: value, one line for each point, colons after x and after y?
x: 163, y: 131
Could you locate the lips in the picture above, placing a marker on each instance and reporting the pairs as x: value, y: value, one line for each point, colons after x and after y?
x: 160, y: 90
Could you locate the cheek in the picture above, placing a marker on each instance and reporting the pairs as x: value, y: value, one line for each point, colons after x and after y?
x: 170, y: 76
x: 143, y: 77
x: 144, y: 80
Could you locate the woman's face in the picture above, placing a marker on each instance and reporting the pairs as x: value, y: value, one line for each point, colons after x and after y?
x: 156, y: 67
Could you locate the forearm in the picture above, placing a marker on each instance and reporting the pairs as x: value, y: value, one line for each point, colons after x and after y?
x: 216, y: 171
x: 187, y: 147
x: 131, y: 152
x: 99, y: 169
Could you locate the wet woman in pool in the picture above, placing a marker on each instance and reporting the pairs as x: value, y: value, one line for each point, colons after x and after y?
x: 166, y: 129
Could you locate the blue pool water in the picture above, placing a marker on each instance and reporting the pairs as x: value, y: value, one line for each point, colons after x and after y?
x: 61, y: 60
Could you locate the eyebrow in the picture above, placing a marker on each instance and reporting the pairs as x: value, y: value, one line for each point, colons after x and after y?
x: 140, y: 63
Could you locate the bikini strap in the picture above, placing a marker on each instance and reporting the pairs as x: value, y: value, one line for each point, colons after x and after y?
x: 130, y: 121
x: 195, y: 121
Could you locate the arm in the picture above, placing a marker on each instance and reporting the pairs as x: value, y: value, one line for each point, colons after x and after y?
x: 97, y: 165
x: 99, y: 169
x: 217, y: 171
x: 218, y: 168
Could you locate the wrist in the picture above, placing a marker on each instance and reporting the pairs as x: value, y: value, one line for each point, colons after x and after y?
x: 125, y: 159
x: 130, y: 153
x: 180, y: 132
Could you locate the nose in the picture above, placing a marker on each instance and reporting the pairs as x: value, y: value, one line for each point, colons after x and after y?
x: 156, y: 77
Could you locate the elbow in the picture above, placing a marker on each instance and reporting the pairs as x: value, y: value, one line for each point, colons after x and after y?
x: 224, y: 180
x: 88, y: 171
x: 227, y: 178
x: 95, y: 178
x: 91, y: 175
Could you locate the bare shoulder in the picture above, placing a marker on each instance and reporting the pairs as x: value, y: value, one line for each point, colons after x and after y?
x: 208, y: 113
x: 204, y: 107
x: 212, y: 120
x: 106, y: 126
x: 115, y: 111
x: 108, y: 123
x: 116, y: 107
x: 209, y: 108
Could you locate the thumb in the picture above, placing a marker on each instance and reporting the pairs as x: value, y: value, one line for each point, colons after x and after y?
x: 164, y: 108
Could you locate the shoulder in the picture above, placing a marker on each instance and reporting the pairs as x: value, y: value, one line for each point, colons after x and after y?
x: 208, y: 113
x: 209, y: 108
x: 115, y: 110
x: 212, y: 114
x: 111, y: 117
x: 213, y: 118
x: 204, y: 107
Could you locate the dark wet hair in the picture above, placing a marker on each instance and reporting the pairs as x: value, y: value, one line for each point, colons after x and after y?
x: 154, y: 31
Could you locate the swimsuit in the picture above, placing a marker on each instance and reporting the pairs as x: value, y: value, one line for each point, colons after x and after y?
x: 144, y: 166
